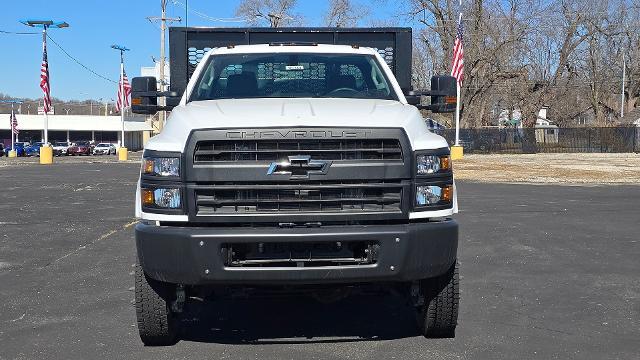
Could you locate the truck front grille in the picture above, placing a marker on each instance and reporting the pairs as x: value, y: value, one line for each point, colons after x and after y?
x: 307, y: 197
x: 208, y: 151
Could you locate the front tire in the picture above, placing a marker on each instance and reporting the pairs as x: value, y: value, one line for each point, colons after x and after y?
x: 438, y: 317
x: 156, y: 322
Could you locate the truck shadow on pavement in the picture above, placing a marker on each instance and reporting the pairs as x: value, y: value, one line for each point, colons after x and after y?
x: 298, y: 320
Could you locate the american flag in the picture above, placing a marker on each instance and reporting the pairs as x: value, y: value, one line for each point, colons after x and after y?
x: 457, y: 66
x: 123, y: 84
x: 14, y: 124
x: 44, y: 78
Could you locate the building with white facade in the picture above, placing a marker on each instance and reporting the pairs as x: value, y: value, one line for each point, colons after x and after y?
x: 78, y: 128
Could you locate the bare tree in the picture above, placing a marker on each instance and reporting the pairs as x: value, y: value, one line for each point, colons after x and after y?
x: 527, y: 54
x: 492, y: 34
x: 629, y: 48
x: 344, y: 13
x: 272, y: 13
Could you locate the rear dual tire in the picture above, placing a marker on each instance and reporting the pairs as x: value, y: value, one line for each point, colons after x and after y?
x: 438, y: 316
x: 157, y: 324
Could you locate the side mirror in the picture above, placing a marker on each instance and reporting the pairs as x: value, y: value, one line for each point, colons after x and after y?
x: 443, y: 94
x: 144, y: 95
x: 413, y: 98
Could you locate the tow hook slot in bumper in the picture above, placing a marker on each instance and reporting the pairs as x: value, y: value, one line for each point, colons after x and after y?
x: 300, y: 225
x: 300, y: 254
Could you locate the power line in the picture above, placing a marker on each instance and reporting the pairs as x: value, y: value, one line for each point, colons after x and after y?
x: 207, y: 17
x: 18, y: 33
x: 78, y: 61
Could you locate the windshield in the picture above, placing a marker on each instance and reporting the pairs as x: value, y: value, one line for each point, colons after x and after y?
x: 293, y: 75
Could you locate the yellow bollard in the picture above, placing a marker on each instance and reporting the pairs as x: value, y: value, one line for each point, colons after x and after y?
x: 123, y: 154
x: 46, y: 155
x: 13, y: 153
x: 456, y: 152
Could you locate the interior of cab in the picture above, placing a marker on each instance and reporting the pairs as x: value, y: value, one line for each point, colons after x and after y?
x: 292, y: 75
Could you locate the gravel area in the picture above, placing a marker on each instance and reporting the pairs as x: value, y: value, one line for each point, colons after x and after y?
x: 550, y: 168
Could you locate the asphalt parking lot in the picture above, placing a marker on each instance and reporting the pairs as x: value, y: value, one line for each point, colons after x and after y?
x: 548, y: 272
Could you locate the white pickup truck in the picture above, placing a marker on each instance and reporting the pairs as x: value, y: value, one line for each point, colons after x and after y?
x: 297, y: 166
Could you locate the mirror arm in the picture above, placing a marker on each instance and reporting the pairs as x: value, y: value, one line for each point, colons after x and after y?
x: 167, y: 94
x: 430, y: 93
x: 157, y: 94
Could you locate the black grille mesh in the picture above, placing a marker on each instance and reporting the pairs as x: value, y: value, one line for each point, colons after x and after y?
x: 324, y: 149
x: 296, y: 198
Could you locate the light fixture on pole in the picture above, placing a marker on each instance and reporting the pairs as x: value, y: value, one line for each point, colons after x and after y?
x: 46, y: 152
x: 122, y: 97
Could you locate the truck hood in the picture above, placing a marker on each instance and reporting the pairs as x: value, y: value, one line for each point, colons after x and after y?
x: 263, y: 113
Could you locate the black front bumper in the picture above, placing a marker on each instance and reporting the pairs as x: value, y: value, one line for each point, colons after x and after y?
x: 192, y: 255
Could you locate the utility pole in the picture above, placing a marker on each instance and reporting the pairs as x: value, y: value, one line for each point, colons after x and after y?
x: 162, y: 115
x: 624, y: 75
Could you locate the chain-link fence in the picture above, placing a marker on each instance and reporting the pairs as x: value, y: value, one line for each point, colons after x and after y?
x: 548, y: 139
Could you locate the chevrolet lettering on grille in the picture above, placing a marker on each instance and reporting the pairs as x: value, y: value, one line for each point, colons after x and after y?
x: 299, y: 167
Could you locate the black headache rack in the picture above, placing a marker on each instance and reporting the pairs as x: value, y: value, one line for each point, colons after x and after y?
x: 188, y: 45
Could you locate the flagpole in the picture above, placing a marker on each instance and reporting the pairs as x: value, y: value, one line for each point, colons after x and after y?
x: 458, y: 91
x: 456, y: 149
x: 122, y: 96
x: 13, y: 143
x: 46, y: 152
x: 457, y: 114
x: 122, y: 151
x: 46, y: 115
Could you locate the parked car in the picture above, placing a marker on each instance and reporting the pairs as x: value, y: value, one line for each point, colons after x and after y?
x: 19, y: 147
x: 104, y: 148
x: 61, y: 148
x: 80, y: 148
x: 33, y: 149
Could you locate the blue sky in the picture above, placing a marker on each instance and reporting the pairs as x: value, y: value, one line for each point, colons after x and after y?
x: 97, y: 24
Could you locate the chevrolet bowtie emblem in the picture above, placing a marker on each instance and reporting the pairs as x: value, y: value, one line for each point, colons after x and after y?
x: 299, y: 167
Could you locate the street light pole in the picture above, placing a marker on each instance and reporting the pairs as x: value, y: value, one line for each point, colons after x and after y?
x: 46, y: 152
x: 122, y: 152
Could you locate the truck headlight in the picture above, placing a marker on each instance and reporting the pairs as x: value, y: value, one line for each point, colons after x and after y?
x: 428, y: 195
x: 161, y: 166
x: 431, y: 164
x: 161, y: 198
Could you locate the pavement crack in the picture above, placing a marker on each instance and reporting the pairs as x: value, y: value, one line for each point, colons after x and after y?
x: 18, y: 318
x: 84, y: 246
